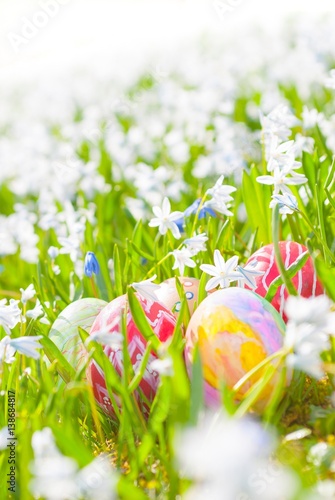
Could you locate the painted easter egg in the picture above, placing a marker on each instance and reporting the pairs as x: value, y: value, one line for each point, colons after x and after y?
x: 64, y: 331
x: 235, y: 330
x: 169, y: 297
x: 162, y: 323
x: 305, y: 281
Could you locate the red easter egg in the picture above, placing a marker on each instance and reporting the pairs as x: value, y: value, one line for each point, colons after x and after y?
x: 162, y: 323
x: 305, y: 281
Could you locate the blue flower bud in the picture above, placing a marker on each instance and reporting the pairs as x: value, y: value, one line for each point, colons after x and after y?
x: 91, y: 265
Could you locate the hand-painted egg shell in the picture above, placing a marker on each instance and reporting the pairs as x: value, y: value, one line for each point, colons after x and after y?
x: 64, y: 331
x: 305, y: 281
x: 235, y: 329
x: 162, y: 322
x: 169, y: 297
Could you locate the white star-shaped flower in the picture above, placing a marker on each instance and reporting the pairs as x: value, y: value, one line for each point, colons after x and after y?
x: 249, y: 274
x: 223, y: 272
x: 182, y: 259
x: 165, y: 219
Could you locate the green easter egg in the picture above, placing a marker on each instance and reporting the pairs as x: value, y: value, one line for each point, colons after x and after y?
x: 64, y: 331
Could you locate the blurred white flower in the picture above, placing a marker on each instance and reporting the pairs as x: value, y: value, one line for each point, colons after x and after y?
x: 287, y: 203
x: 223, y: 272
x: 307, y: 333
x: 4, y: 436
x: 98, y: 480
x: 317, y: 453
x: 303, y: 143
x: 54, y: 475
x: 278, y: 155
x: 38, y: 313
x: 147, y: 289
x: 27, y: 294
x: 165, y: 219
x: 182, y: 258
x: 163, y: 366
x: 10, y: 314
x: 280, y: 180
x: 53, y: 252
x: 70, y: 245
x: 330, y: 81
x: 6, y: 351
x: 220, y: 197
x: 27, y: 345
x: 325, y: 490
x: 229, y: 458
x: 311, y: 117
x: 314, y: 310
x: 196, y: 244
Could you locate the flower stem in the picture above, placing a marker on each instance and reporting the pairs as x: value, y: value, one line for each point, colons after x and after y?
x: 94, y: 288
x: 275, y: 237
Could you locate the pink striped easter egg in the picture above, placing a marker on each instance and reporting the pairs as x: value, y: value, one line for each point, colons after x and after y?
x: 305, y: 281
x: 108, y: 321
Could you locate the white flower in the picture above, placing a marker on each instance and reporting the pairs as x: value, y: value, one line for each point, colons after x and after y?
x: 229, y: 458
x: 108, y: 334
x: 27, y: 346
x: 223, y: 272
x: 165, y: 219
x: 37, y: 312
x: 310, y: 117
x: 280, y: 181
x: 196, y: 244
x: 182, y: 259
x: 54, y: 475
x: 325, y: 489
x: 27, y: 294
x: 249, y: 274
x: 278, y: 123
x: 4, y: 436
x: 98, y: 479
x: 163, y: 366
x: 147, y: 289
x: 277, y: 154
x: 219, y: 206
x: 330, y: 81
x: 6, y: 351
x: 10, y: 315
x: 71, y: 246
x: 221, y: 191
x: 220, y: 197
x: 106, y: 338
x: 307, y: 333
x: 303, y: 143
x: 287, y: 203
x: 314, y: 310
x: 53, y: 252
x: 317, y: 453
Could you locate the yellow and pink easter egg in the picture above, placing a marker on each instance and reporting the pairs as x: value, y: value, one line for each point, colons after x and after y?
x: 169, y: 297
x: 235, y: 330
